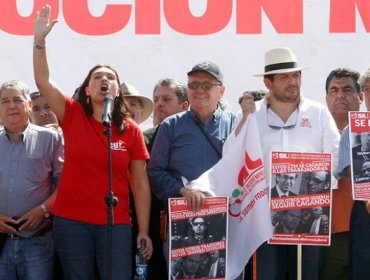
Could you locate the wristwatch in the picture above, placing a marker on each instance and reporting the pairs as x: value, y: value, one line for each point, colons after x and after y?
x: 46, y: 212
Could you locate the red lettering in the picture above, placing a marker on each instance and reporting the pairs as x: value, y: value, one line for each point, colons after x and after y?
x: 285, y: 15
x: 147, y: 17
x: 78, y: 18
x: 214, y: 19
x: 12, y: 22
x: 343, y: 15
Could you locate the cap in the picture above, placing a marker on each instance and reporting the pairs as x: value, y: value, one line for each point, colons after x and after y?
x: 208, y: 67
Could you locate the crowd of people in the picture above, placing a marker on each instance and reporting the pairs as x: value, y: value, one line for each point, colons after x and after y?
x: 54, y: 170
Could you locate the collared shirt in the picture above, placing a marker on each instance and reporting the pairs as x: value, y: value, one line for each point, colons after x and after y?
x: 315, y: 226
x: 281, y: 193
x: 29, y: 169
x: 311, y: 128
x: 181, y: 150
x: 344, y: 153
x: 213, y: 269
x: 342, y: 197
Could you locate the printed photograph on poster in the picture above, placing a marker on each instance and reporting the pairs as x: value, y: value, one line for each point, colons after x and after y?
x: 300, y: 198
x: 359, y: 140
x: 198, y: 240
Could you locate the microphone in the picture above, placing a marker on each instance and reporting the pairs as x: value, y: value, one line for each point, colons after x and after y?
x: 108, y: 100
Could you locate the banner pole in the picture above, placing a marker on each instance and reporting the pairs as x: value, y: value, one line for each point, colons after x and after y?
x: 299, y: 262
x: 254, y: 266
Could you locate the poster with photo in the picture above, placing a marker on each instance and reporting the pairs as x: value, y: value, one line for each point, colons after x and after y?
x: 300, y: 198
x: 359, y: 129
x: 198, y: 240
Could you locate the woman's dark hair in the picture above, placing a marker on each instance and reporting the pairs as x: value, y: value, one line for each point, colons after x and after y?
x: 120, y: 111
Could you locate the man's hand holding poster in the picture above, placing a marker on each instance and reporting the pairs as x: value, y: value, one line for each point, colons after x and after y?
x: 300, y: 197
x: 360, y: 154
x: 198, y: 240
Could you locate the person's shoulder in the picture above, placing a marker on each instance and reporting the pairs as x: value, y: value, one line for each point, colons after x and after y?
x: 44, y: 133
x: 279, y: 228
x: 177, y: 119
x: 224, y: 112
x: 356, y: 148
x: 132, y: 125
x: 227, y: 112
x: 309, y: 104
x: 260, y: 104
x: 42, y: 129
x: 150, y: 131
x: 292, y: 193
x: 210, y: 237
x: 345, y: 130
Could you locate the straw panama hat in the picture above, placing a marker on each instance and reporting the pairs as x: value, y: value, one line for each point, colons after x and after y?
x: 130, y: 90
x: 280, y: 60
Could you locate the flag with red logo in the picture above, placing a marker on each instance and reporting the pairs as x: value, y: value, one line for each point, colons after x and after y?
x: 240, y: 176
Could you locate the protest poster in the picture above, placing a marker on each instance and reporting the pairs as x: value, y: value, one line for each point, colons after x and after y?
x: 300, y: 198
x: 359, y: 129
x: 198, y: 240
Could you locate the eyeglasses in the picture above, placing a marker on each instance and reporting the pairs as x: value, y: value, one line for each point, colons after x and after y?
x: 205, y: 85
x: 274, y: 124
x: 198, y: 224
x: 315, y: 181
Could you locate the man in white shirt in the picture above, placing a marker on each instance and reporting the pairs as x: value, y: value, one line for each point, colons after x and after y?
x: 289, y: 122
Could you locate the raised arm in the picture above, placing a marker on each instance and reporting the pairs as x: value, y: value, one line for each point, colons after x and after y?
x: 50, y: 91
x: 248, y: 106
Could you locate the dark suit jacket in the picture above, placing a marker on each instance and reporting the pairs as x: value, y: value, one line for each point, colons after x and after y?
x: 304, y: 228
x: 275, y: 194
x: 191, y: 240
x: 149, y: 137
x: 203, y: 272
x: 321, y: 227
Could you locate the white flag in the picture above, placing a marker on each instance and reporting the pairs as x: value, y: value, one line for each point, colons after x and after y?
x: 240, y: 176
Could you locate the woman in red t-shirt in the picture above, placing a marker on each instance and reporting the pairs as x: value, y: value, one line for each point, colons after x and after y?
x: 80, y: 222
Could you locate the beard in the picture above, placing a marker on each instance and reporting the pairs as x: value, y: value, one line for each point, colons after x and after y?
x: 288, y: 95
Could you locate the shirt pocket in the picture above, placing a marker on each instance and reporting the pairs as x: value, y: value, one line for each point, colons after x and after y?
x: 36, y: 168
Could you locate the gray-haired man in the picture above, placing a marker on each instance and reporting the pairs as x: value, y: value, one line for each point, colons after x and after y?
x: 30, y: 166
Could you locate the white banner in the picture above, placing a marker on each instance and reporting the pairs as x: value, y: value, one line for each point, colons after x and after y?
x: 240, y: 176
x: 146, y: 40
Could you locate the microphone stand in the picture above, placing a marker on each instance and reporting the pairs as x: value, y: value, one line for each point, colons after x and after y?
x: 110, y: 200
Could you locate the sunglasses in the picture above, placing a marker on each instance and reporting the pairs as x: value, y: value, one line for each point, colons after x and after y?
x: 205, y: 85
x: 275, y: 123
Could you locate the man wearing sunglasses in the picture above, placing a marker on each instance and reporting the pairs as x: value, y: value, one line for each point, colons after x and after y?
x: 290, y: 122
